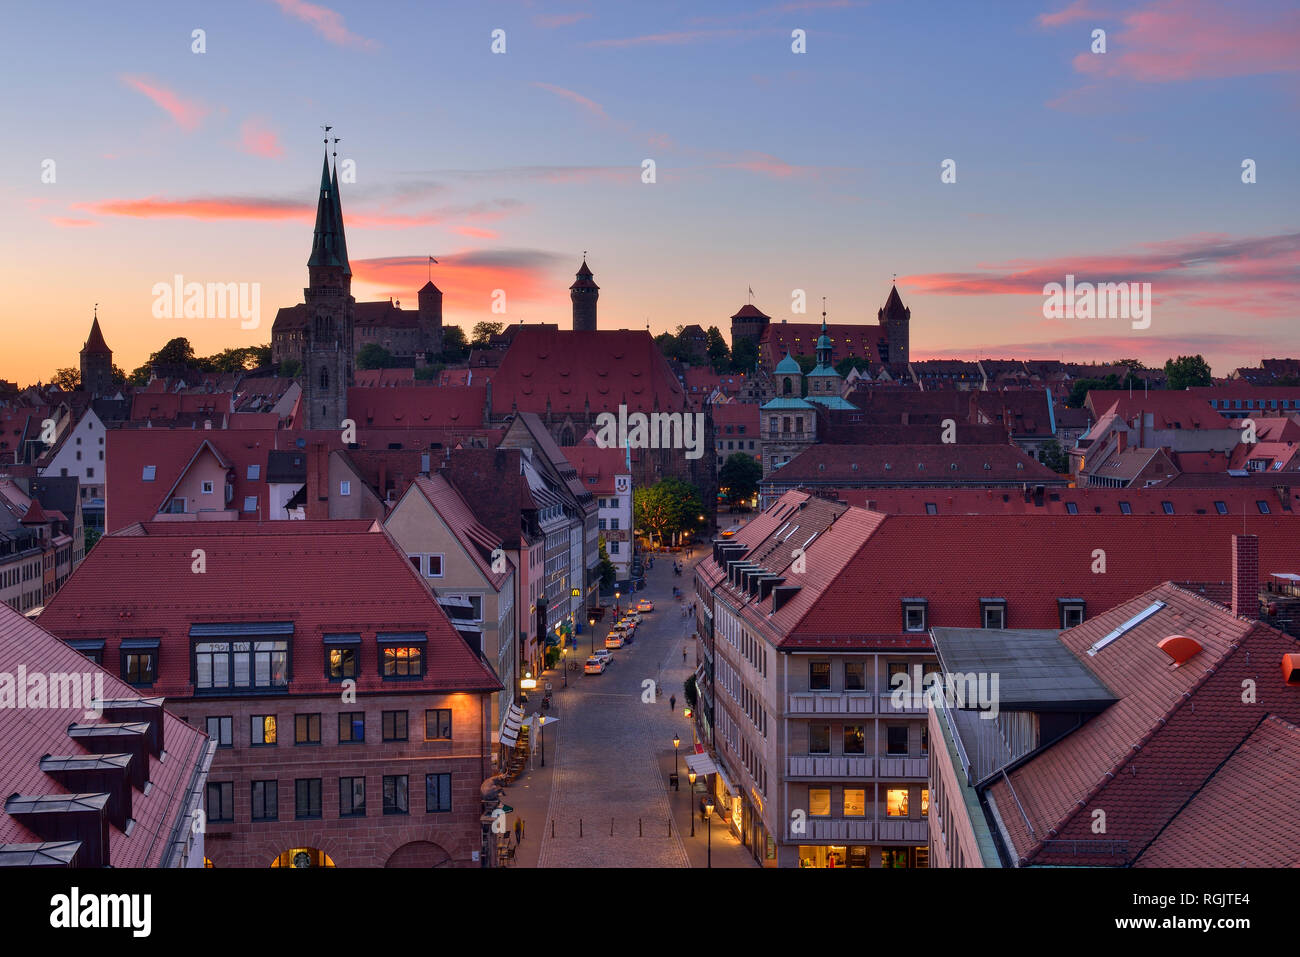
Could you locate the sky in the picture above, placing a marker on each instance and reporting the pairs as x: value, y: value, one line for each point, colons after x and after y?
x: 130, y: 159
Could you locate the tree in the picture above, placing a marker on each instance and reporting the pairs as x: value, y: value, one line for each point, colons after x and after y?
x: 1055, y: 457
x: 744, y: 355
x: 719, y: 354
x: 374, y: 356
x: 177, y: 351
x: 454, y: 347
x: 672, y: 346
x: 667, y: 508
x: 237, y: 359
x: 68, y: 379
x: 738, y: 477
x: 849, y: 363
x: 430, y: 372
x: 608, y: 573
x: 290, y: 368
x: 483, y: 332
x: 1188, y: 371
x: 117, y: 375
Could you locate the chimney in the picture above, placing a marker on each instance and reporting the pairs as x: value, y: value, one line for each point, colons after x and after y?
x: 1245, y: 576
x: 318, y: 483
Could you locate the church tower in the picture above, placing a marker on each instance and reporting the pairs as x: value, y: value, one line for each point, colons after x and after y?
x: 96, y: 362
x: 431, y: 319
x: 584, y: 292
x: 895, y: 317
x: 328, y: 352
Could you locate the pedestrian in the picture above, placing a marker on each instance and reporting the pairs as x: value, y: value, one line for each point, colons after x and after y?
x: 519, y: 830
x: 683, y: 654
x: 672, y: 702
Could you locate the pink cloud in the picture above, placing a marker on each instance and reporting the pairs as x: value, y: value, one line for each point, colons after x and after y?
x: 591, y: 106
x: 187, y: 114
x: 1176, y: 40
x: 1078, y: 10
x: 469, y: 277
x: 550, y: 21
x: 326, y: 22
x: 678, y: 38
x: 257, y: 140
x: 206, y: 208
x: 67, y: 222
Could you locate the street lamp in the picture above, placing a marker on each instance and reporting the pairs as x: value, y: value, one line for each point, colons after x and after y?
x: 690, y: 776
x: 677, y: 743
x: 708, y: 811
x: 564, y: 664
x: 541, y: 728
x: 592, y: 624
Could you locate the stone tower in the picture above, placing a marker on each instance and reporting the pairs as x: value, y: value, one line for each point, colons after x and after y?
x: 328, y: 352
x: 584, y: 292
x: 431, y: 319
x: 748, y: 323
x: 895, y: 317
x: 96, y: 362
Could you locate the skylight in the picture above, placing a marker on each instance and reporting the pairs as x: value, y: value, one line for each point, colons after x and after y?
x: 1126, y: 627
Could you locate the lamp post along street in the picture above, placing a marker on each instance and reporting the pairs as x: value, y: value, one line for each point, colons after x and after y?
x: 592, y: 624
x: 690, y: 776
x: 708, y: 813
x: 676, y: 744
x: 541, y: 735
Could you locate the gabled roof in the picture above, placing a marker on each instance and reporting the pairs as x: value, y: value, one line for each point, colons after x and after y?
x: 596, y: 467
x: 750, y: 311
x: 407, y: 406
x: 849, y: 465
x: 1169, y: 410
x: 476, y: 539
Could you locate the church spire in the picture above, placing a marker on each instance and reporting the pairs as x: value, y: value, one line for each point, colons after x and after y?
x: 327, y: 245
x: 338, y: 219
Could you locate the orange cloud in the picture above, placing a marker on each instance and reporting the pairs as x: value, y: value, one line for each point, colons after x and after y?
x: 67, y: 222
x: 469, y: 279
x: 326, y: 22
x: 257, y: 140
x: 187, y: 114
x: 217, y: 207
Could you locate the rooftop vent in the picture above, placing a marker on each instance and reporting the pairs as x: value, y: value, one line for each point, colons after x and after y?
x: 1180, y: 648
x: 1291, y: 669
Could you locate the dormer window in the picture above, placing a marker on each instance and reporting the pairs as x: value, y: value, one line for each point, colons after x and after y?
x: 993, y: 612
x: 915, y: 615
x: 1072, y: 611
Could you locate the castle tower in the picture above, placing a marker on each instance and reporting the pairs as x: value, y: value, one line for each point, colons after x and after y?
x: 328, y: 353
x: 584, y: 292
x: 431, y: 318
x: 895, y: 317
x: 96, y: 362
x: 748, y: 323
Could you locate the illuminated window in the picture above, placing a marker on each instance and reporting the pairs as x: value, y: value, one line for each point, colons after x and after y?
x: 855, y: 802
x: 819, y: 802
x: 263, y: 730
x: 855, y: 739
x: 925, y: 802
x: 896, y: 802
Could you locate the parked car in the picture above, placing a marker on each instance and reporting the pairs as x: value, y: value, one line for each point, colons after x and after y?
x: 604, y: 654
x: 595, y: 665
x: 645, y: 604
x: 614, y: 639
x: 632, y: 616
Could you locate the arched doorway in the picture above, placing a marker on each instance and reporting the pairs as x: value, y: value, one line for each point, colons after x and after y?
x: 419, y: 854
x: 303, y: 857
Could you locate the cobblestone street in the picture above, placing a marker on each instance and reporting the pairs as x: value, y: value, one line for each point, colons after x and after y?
x: 603, y: 798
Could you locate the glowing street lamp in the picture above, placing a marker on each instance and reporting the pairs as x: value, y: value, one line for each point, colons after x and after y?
x: 541, y: 727
x: 708, y: 811
x: 690, y: 776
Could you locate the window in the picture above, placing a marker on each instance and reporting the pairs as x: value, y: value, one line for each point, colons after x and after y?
x: 437, y: 725
x: 254, y: 472
x: 819, y: 739
x: 401, y: 661
x: 433, y: 566
x: 855, y: 739
x: 352, y: 727
x: 1071, y: 508
x: 855, y: 802
x: 925, y: 739
x: 896, y: 739
x: 266, y: 800
x: 819, y: 675
x: 819, y: 802
x: 1221, y: 508
x: 993, y: 612
x: 139, y: 667
x: 854, y: 676
x: 149, y: 472
x: 352, y: 797
x: 306, y: 798
x: 1125, y: 508
x: 437, y: 793
x: 1071, y: 613
x: 345, y: 487
x: 925, y: 802
x: 896, y: 802
x: 1168, y: 507
x: 914, y: 615
x: 306, y: 728
x: 221, y: 800
x: 250, y: 503
x: 207, y: 487
x: 394, y: 725
x: 219, y: 731
x: 262, y: 730
x: 241, y: 665
x: 1262, y: 506
x: 395, y: 794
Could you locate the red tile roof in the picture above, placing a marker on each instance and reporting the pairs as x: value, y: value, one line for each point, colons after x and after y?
x: 596, y: 467
x: 567, y: 370
x: 28, y: 734
x: 1170, y: 410
x: 324, y: 577
x: 1056, y: 501
x: 95, y: 341
x: 857, y: 340
x: 397, y: 407
x: 478, y: 541
x: 850, y: 465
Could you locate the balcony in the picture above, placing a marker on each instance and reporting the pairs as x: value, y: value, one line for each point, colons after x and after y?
x: 825, y: 766
x: 905, y: 767
x: 861, y: 831
x: 912, y: 704
x: 829, y: 702
x: 894, y: 829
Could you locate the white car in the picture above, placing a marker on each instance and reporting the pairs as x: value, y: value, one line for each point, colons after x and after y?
x: 595, y: 665
x: 604, y: 655
x: 614, y: 639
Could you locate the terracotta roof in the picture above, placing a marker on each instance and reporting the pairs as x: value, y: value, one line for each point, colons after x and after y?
x: 850, y: 465
x: 95, y: 341
x: 1241, y: 816
x: 1057, y: 501
x: 323, y: 577
x: 1170, y: 410
x: 750, y: 311
x: 28, y: 734
x: 383, y: 378
x: 858, y: 340
x: 596, y: 467
x: 478, y: 541
x: 417, y: 406
x: 564, y: 370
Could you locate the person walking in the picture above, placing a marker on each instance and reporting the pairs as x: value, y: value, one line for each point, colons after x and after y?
x: 683, y: 654
x: 672, y: 702
x: 519, y: 830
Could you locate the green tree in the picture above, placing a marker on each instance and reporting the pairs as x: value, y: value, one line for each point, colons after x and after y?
x: 738, y: 477
x: 672, y: 346
x: 849, y: 363
x: 483, y: 332
x: 744, y: 356
x: 374, y: 356
x: 454, y: 347
x: 68, y: 379
x: 667, y: 508
x: 1188, y: 371
x: 290, y: 368
x: 1055, y: 457
x: 719, y: 354
x: 177, y: 351
x: 429, y: 372
x: 608, y: 573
